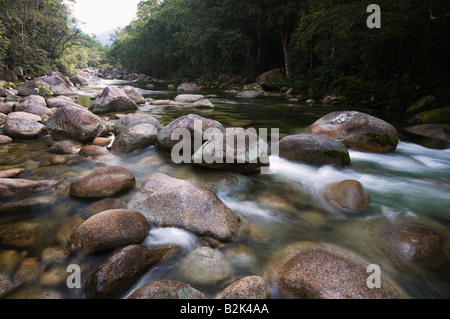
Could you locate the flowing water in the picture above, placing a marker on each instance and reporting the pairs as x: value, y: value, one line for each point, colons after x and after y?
x: 411, y: 184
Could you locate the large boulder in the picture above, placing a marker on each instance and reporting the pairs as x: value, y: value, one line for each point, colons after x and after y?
x: 192, y: 124
x: 166, y: 289
x: 119, y: 271
x: 74, y: 123
x: 315, y: 149
x: 112, y: 99
x: 438, y: 131
x: 171, y: 202
x: 411, y: 242
x: 347, y: 195
x: 358, y: 131
x: 21, y: 128
x: 134, y: 94
x: 131, y: 120
x: 233, y: 149
x: 271, y: 80
x: 11, y: 187
x: 136, y: 137
x: 56, y: 82
x: 205, y: 266
x: 109, y: 229
x: 188, y: 87
x: 80, y: 79
x: 103, y: 182
x: 435, y: 116
x: 309, y: 270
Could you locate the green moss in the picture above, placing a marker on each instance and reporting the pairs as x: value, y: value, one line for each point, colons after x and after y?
x: 184, y: 293
x: 436, y: 116
x: 384, y: 140
x: 343, y: 155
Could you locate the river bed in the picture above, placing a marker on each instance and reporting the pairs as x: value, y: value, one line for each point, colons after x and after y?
x: 410, y: 184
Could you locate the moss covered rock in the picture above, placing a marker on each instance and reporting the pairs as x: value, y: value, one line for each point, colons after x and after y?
x: 436, y: 116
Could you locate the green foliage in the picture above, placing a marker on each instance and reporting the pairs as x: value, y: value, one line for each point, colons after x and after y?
x: 44, y: 91
x: 39, y: 36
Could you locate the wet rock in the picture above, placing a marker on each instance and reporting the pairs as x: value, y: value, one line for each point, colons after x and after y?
x: 101, y: 141
x: 9, y: 260
x: 74, y: 123
x: 35, y: 293
x: 271, y: 80
x: 133, y: 94
x: 424, y: 104
x: 166, y: 289
x: 413, y: 242
x: 66, y: 147
x: 205, y: 266
x: 194, y: 125
x: 103, y: 182
x: 203, y: 104
x: 131, y: 120
x: 66, y: 229
x: 102, y: 205
x: 188, y: 87
x: 11, y: 172
x: 54, y: 276
x: 54, y: 255
x: 314, y: 149
x: 24, y: 129
x: 6, y: 285
x: 115, y: 275
x: 171, y: 202
x: 250, y: 94
x: 5, y: 139
x: 112, y: 99
x: 33, y: 204
x: 92, y: 150
x: 430, y: 130
x: 22, y: 234
x: 233, y: 149
x: 358, y: 131
x: 251, y: 287
x: 108, y: 229
x: 136, y: 137
x: 27, y: 272
x: 347, y: 195
x: 10, y: 188
x: 309, y: 270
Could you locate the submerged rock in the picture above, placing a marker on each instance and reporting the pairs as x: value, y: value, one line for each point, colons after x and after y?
x: 171, y: 202
x: 205, y: 266
x: 166, y: 289
x: 13, y: 187
x: 108, y: 229
x: 103, y: 182
x: 325, y: 271
x: 315, y: 149
x: 118, y: 272
x: 358, y: 131
x: 65, y: 147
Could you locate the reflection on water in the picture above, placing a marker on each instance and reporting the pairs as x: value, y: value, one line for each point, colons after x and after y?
x: 411, y: 184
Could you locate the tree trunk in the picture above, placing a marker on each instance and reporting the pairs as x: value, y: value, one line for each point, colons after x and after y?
x: 284, y: 42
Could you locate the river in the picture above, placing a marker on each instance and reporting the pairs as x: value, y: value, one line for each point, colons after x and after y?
x: 410, y: 184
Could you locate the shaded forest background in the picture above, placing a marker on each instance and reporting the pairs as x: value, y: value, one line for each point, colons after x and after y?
x: 322, y: 46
